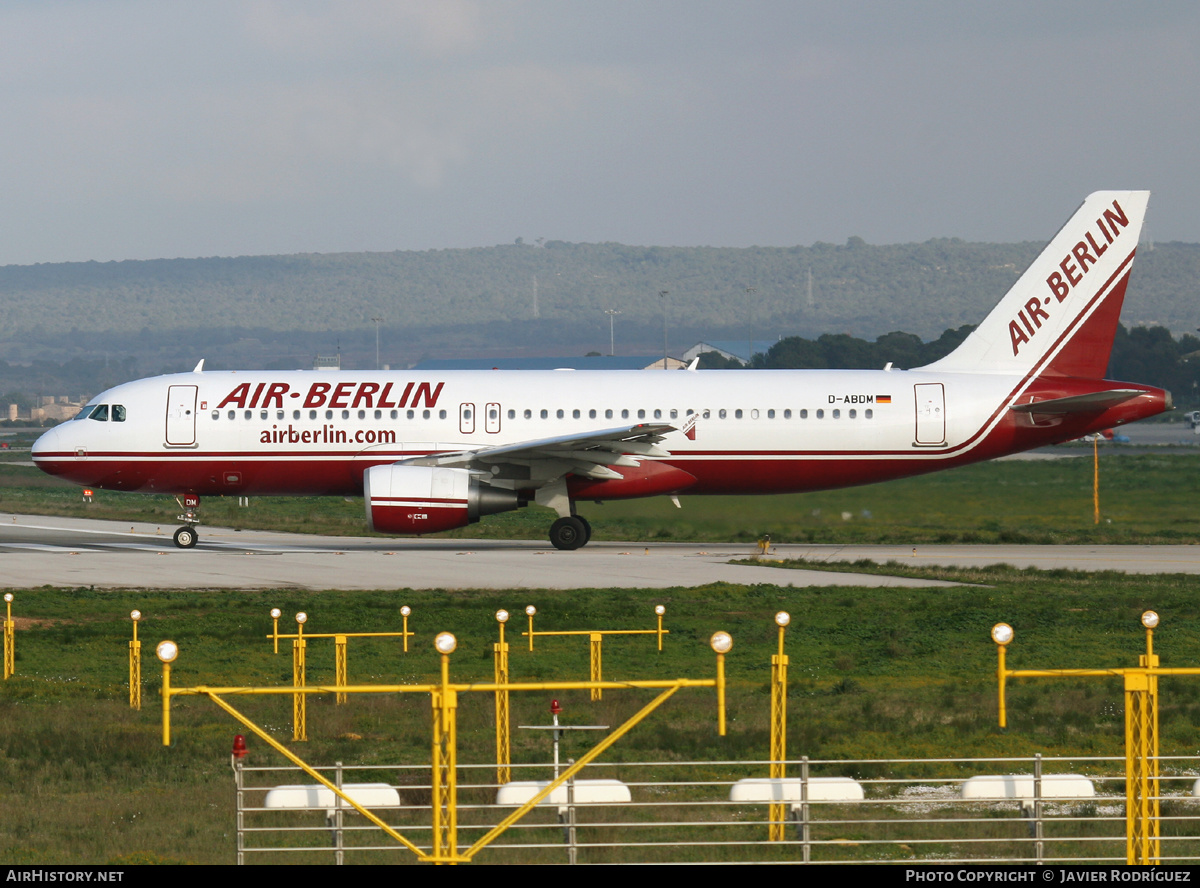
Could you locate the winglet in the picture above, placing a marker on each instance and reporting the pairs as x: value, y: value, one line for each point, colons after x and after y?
x: 199, y: 367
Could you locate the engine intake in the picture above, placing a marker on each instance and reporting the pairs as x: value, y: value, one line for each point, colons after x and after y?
x: 428, y: 499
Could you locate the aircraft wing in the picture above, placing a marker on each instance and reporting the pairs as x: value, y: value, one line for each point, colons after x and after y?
x: 1094, y: 402
x: 586, y: 454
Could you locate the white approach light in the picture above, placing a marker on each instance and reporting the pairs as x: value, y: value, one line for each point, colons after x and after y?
x: 501, y: 616
x: 8, y: 597
x: 302, y: 618
x: 405, y: 611
x: 445, y: 643
x: 167, y: 651
x: 1150, y: 620
x: 530, y: 611
x: 783, y: 618
x: 1002, y: 633
x: 135, y: 615
x: 721, y: 642
x: 276, y: 613
x: 659, y: 609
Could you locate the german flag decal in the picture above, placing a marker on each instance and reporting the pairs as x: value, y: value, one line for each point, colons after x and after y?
x: 883, y: 399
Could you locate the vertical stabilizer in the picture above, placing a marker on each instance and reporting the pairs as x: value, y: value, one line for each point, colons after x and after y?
x: 1060, y: 317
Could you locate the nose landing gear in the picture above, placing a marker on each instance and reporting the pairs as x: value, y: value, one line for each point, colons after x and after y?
x: 186, y: 537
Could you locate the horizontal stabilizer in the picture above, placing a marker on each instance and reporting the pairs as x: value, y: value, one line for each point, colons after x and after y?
x: 1093, y: 402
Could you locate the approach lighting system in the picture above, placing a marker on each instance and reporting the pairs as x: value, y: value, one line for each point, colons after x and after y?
x: 530, y: 611
x: 167, y: 651
x: 1002, y: 633
x: 1150, y: 620
x: 302, y: 618
x: 659, y: 609
x: 8, y: 597
x: 783, y: 618
x: 405, y: 611
x: 721, y: 642
x: 501, y: 616
x: 276, y: 613
x: 135, y: 615
x: 445, y: 643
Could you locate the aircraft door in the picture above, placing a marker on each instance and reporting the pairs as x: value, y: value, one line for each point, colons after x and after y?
x: 931, y: 413
x: 181, y: 415
x: 491, y: 419
x: 466, y: 419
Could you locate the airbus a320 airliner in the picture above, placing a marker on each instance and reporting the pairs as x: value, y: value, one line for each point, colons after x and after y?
x: 431, y: 452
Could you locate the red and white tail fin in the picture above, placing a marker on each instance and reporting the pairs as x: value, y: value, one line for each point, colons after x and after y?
x: 1060, y: 317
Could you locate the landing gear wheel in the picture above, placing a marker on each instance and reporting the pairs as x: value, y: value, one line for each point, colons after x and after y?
x: 587, y: 529
x: 569, y: 533
x: 186, y: 537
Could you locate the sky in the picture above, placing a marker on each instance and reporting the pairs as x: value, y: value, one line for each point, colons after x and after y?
x: 140, y: 130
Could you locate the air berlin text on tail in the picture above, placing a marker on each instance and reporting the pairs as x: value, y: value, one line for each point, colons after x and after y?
x: 1072, y: 268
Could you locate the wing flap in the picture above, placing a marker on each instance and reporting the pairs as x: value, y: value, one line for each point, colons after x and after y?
x: 588, y: 454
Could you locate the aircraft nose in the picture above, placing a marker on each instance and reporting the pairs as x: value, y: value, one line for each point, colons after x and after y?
x: 49, y: 447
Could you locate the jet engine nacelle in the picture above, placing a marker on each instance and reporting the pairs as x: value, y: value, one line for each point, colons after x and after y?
x: 427, y: 499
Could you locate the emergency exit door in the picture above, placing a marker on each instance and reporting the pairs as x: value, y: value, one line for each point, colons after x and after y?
x: 181, y: 415
x: 931, y: 413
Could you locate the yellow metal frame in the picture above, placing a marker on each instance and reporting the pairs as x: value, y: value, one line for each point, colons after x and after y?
x: 341, y: 654
x: 503, y: 729
x: 10, y: 642
x: 135, y: 670
x: 778, y: 811
x: 1142, y: 808
x: 596, y: 645
x: 444, y: 704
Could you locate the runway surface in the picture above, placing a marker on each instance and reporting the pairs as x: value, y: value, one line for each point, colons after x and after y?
x: 37, y: 550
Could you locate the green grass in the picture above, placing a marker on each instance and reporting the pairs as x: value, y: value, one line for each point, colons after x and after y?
x: 1144, y: 499
x: 874, y: 673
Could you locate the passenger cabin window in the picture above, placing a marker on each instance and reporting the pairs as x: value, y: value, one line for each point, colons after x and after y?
x: 608, y: 414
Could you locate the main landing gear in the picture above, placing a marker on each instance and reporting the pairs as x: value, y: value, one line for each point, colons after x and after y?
x: 186, y: 537
x: 571, y: 532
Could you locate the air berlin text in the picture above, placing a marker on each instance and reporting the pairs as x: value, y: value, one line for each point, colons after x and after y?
x: 326, y: 434
x: 347, y: 395
x: 1071, y: 270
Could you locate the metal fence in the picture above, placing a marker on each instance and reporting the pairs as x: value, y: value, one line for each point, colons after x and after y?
x: 903, y: 811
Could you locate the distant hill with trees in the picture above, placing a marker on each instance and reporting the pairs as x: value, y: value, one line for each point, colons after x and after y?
x: 133, y: 318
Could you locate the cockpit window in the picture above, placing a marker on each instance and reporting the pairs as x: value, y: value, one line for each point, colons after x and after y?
x: 99, y: 413
x: 118, y: 412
